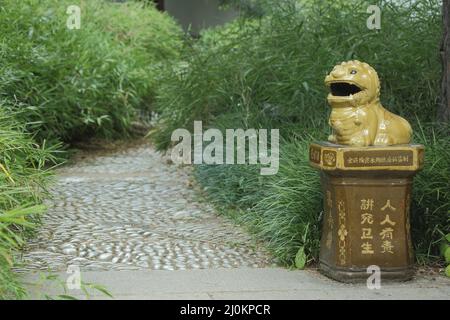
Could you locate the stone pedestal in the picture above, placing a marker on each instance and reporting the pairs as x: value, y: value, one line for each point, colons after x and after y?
x: 367, y: 196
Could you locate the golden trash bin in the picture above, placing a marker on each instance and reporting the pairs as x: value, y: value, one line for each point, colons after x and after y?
x: 367, y: 197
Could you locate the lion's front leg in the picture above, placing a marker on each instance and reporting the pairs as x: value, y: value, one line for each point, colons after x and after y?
x: 332, y: 138
x: 383, y: 139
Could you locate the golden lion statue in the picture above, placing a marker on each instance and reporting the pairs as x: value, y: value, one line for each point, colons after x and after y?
x: 357, y: 117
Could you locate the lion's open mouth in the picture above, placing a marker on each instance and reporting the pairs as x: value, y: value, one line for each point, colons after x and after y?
x: 343, y: 89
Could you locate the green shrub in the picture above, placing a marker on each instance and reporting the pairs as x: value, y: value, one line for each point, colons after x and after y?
x: 269, y: 73
x: 431, y: 198
x: 76, y: 83
x: 22, y: 184
x: 445, y: 252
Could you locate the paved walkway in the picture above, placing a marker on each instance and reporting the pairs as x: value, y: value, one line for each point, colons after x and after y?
x: 246, y: 284
x: 134, y: 223
x: 131, y: 210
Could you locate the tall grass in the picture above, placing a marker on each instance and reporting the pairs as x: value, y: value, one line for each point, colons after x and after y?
x: 268, y: 73
x: 431, y: 205
x: 23, y: 176
x: 77, y: 83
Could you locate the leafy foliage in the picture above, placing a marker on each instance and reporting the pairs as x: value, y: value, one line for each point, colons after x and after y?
x: 22, y: 180
x: 76, y: 83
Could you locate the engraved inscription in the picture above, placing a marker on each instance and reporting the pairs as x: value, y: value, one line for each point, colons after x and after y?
x: 314, y: 154
x: 378, y: 158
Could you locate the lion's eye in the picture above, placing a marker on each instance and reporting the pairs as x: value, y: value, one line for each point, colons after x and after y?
x: 353, y: 72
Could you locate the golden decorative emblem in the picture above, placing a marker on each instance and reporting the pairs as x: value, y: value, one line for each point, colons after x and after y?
x: 329, y: 239
x: 357, y: 116
x: 342, y: 233
x: 329, y: 158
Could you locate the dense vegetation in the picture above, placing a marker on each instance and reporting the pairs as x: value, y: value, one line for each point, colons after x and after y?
x: 267, y: 71
x: 60, y: 85
x: 74, y: 83
x: 22, y: 177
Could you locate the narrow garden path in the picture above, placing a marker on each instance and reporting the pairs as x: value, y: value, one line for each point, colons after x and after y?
x: 132, y: 210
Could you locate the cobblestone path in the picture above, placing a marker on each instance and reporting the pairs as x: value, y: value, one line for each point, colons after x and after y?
x: 131, y: 210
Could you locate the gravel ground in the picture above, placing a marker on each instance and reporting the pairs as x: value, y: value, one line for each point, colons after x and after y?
x: 132, y: 210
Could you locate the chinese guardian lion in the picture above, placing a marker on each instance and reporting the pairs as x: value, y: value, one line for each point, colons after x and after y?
x: 357, y: 117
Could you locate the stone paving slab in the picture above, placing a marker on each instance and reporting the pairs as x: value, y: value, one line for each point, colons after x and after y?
x: 132, y: 210
x: 252, y: 284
